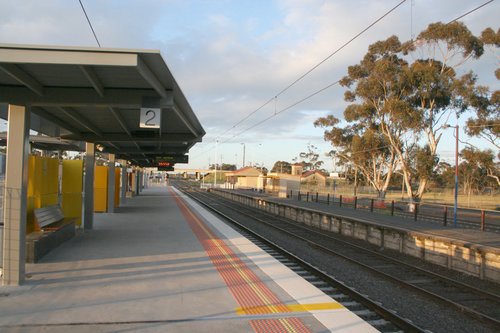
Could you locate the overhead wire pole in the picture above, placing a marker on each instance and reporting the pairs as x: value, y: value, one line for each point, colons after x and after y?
x: 455, y: 206
x: 215, y: 164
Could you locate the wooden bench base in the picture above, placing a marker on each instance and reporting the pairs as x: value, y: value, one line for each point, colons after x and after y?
x: 38, y: 244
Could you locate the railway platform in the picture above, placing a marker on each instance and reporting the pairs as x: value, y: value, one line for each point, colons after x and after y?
x: 472, y: 236
x: 162, y: 263
x: 470, y: 251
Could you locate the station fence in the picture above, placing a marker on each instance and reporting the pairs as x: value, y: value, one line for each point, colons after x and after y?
x: 444, y: 214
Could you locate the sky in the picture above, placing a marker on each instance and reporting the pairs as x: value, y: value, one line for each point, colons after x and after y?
x: 233, y: 59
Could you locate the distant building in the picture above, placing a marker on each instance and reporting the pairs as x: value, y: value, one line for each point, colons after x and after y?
x: 246, y: 178
x: 314, y: 177
x: 297, y: 169
x: 282, y: 183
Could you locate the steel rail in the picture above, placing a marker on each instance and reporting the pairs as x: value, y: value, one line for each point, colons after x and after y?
x: 478, y: 315
x: 385, y: 313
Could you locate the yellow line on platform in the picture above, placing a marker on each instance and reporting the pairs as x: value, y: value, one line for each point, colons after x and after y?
x: 290, y: 307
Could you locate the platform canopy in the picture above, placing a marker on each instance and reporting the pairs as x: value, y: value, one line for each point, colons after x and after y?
x: 101, y: 96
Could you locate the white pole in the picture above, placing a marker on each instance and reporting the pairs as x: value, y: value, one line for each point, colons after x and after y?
x: 215, y: 165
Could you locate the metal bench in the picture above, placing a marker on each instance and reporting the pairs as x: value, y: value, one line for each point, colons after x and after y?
x: 49, y: 217
x: 55, y: 230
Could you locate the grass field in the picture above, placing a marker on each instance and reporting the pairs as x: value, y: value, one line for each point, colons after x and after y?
x: 436, y: 196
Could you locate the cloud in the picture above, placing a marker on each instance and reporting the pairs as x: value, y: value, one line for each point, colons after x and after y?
x: 231, y: 57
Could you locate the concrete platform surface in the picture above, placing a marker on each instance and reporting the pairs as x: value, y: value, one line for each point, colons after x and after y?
x: 164, y: 264
x: 472, y: 236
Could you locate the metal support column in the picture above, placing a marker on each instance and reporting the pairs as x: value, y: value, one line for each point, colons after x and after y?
x: 111, y: 183
x: 88, y: 205
x: 140, y: 181
x: 137, y: 181
x: 123, y: 190
x: 15, y: 196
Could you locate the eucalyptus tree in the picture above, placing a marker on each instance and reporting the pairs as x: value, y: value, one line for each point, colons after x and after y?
x: 282, y: 167
x: 365, y: 148
x: 310, y: 158
x: 378, y: 116
x: 404, y: 92
x: 437, y: 91
x: 478, y: 170
x: 486, y: 120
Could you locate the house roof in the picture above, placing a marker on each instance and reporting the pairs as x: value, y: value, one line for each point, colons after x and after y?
x: 312, y: 172
x: 245, y: 172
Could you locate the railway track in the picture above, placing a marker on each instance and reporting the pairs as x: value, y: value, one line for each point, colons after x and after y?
x: 478, y: 304
x: 371, y: 311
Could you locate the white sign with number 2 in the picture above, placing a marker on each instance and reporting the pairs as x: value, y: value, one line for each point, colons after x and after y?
x: 150, y: 118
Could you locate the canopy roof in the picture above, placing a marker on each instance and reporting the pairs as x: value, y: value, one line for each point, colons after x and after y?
x: 95, y: 95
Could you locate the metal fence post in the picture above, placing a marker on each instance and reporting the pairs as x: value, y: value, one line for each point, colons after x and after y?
x: 307, y: 197
x: 356, y: 202
x: 416, y: 211
x: 328, y: 199
x: 340, y: 202
x: 445, y: 216
x: 483, y: 220
x: 316, y: 196
x: 371, y: 205
x: 392, y: 208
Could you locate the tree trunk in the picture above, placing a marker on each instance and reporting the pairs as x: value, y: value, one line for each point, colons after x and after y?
x: 409, y: 190
x: 491, y: 175
x: 468, y: 197
x: 421, y: 189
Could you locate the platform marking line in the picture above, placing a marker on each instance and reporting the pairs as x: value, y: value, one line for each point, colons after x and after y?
x: 237, y: 274
x: 245, y: 286
x: 297, y: 287
x: 268, y: 326
x: 294, y: 308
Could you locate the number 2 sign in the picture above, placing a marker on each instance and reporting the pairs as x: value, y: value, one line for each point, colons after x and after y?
x: 150, y: 118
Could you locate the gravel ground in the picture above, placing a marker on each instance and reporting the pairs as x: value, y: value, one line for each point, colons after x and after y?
x: 423, y: 311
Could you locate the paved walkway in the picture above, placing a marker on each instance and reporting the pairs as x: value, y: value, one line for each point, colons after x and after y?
x: 478, y: 237
x: 155, y: 266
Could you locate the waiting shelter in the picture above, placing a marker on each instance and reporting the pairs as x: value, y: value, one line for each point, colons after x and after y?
x: 124, y: 103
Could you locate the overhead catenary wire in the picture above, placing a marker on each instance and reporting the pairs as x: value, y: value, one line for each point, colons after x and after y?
x: 315, y: 66
x: 90, y: 23
x: 276, y: 113
x: 471, y: 11
x: 340, y: 48
x: 274, y: 98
